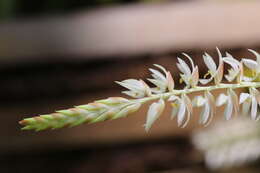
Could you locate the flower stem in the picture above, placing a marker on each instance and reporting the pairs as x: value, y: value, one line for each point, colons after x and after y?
x: 199, y: 88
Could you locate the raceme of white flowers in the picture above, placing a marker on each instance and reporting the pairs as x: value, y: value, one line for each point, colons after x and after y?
x: 182, y: 105
x: 243, y: 74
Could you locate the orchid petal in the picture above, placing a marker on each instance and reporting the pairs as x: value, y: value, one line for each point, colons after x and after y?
x: 183, y: 67
x: 256, y: 54
x: 246, y: 107
x: 221, y: 100
x: 243, y: 97
x: 154, y: 112
x: 195, y: 77
x: 235, y: 101
x: 190, y: 59
x: 181, y: 113
x: 209, y: 62
x: 205, y: 81
x: 204, y: 116
x: 198, y: 101
x: 253, y: 108
x: 251, y: 64
x: 229, y: 109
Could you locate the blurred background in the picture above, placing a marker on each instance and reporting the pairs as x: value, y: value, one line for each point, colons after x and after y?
x: 57, y: 54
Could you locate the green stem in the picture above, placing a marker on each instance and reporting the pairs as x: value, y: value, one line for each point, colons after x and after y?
x: 200, y: 88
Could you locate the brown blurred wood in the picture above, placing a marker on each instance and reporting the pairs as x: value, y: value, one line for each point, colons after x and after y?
x: 33, y: 81
x: 133, y: 30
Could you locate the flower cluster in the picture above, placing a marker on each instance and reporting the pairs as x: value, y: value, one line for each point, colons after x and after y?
x: 243, y: 74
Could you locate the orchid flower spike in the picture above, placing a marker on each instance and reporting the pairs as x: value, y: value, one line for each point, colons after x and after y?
x: 163, y: 90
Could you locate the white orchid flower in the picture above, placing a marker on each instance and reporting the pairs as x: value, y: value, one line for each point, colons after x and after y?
x: 235, y: 70
x: 208, y: 103
x: 180, y: 107
x: 231, y: 101
x: 155, y: 110
x: 137, y: 88
x: 162, y: 81
x: 189, y: 75
x: 252, y: 65
x: 214, y: 72
x: 252, y: 101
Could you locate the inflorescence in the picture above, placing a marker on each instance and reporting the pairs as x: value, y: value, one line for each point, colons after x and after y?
x: 242, y: 74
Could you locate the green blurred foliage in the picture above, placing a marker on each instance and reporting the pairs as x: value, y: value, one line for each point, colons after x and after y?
x: 7, y: 8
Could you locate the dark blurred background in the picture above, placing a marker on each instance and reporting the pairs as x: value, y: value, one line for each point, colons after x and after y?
x: 57, y: 54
